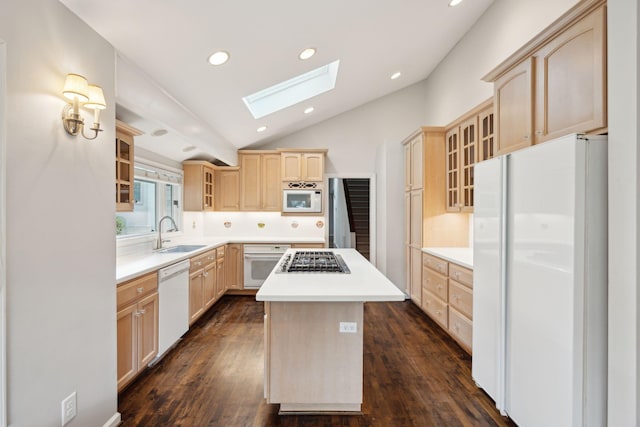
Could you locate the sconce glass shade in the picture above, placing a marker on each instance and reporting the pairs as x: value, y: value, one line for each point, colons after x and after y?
x: 76, y: 87
x: 96, y: 98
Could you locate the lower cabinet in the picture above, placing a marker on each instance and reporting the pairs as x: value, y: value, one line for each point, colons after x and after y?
x: 221, y: 282
x: 447, y: 297
x: 234, y: 267
x: 202, y: 284
x: 137, y: 326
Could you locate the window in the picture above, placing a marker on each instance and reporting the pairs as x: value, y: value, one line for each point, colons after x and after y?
x: 157, y: 192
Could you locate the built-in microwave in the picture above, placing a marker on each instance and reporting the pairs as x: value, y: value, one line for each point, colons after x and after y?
x: 302, y: 201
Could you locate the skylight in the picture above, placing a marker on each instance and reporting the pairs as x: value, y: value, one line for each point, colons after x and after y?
x: 292, y: 91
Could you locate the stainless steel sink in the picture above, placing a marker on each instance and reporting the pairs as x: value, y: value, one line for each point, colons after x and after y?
x: 181, y: 248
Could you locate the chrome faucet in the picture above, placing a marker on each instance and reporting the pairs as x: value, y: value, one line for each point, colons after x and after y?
x: 175, y: 228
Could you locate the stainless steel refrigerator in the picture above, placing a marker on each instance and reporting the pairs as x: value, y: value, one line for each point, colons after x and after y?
x: 540, y: 282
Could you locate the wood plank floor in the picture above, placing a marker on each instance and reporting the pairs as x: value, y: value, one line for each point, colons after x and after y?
x: 414, y: 375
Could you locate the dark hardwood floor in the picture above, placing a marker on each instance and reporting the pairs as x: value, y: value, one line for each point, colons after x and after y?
x: 414, y: 375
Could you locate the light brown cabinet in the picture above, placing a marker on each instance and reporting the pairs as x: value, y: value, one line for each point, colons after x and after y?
x: 124, y: 166
x: 468, y: 140
x: 227, y: 184
x: 307, y: 245
x: 234, y: 270
x: 302, y: 165
x: 202, y: 284
x: 199, y: 181
x: 447, y: 297
x: 221, y: 282
x: 137, y: 326
x: 555, y: 84
x: 260, y: 183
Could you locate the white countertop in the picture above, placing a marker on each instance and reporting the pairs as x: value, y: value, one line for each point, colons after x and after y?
x: 460, y: 256
x: 364, y: 283
x: 137, y: 266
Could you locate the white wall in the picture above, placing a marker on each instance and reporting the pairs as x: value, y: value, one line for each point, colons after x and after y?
x: 60, y: 207
x: 624, y: 156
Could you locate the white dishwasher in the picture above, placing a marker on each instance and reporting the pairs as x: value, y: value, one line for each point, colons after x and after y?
x: 173, y: 292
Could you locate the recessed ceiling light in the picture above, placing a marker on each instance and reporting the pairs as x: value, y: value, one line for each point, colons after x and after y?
x: 395, y: 75
x: 307, y: 53
x: 189, y: 148
x: 261, y: 129
x: 219, y: 58
x: 159, y: 132
x: 309, y: 110
x: 455, y: 2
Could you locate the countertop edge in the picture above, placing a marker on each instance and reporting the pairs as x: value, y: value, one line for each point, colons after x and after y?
x: 445, y: 253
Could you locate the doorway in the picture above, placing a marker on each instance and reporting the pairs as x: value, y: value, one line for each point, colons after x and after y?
x: 351, y: 214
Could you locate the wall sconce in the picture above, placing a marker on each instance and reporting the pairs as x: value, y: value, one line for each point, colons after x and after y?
x: 77, y: 90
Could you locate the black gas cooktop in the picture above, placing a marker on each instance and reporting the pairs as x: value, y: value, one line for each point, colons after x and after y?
x: 313, y: 262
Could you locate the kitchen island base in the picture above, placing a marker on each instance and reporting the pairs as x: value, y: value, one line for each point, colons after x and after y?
x: 310, y: 365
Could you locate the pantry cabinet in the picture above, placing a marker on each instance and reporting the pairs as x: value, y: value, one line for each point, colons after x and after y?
x: 199, y: 181
x: 137, y: 326
x: 556, y: 83
x: 124, y: 166
x: 302, y: 165
x: 260, y: 180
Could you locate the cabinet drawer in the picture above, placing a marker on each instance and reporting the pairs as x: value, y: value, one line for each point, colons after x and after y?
x: 434, y: 307
x: 460, y: 328
x: 199, y: 261
x: 435, y: 263
x: 435, y: 283
x: 135, y: 289
x: 461, y: 298
x: 461, y: 274
x: 220, y: 251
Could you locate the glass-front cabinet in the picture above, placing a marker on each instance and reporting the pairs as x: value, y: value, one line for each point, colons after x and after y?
x: 124, y: 166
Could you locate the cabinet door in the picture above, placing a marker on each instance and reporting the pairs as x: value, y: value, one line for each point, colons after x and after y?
x: 271, y: 183
x: 250, y: 182
x: 210, y: 285
x: 221, y: 287
x: 127, y: 349
x: 407, y: 167
x: 513, y: 102
x: 453, y: 170
x: 227, y: 193
x: 416, y: 275
x: 233, y: 266
x: 147, y: 316
x: 291, y: 166
x: 313, y: 166
x: 486, y: 137
x: 207, y: 188
x: 196, y: 295
x: 468, y: 158
x: 415, y: 224
x: 124, y: 172
x: 416, y: 163
x: 571, y: 80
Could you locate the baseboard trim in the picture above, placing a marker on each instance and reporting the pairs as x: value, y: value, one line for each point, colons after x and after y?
x: 114, y: 421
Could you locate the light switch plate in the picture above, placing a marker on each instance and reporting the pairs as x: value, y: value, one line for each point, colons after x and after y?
x: 348, y: 327
x: 68, y: 408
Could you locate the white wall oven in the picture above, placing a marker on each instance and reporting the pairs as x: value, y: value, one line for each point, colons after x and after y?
x: 302, y: 201
x: 259, y: 261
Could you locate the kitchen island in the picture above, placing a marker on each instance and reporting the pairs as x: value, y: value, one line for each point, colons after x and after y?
x: 313, y: 334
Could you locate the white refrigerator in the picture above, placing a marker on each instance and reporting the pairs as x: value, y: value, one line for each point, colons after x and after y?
x: 540, y: 282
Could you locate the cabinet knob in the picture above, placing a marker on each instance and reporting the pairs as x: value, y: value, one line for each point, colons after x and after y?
x: 140, y: 290
x: 526, y: 137
x: 539, y: 132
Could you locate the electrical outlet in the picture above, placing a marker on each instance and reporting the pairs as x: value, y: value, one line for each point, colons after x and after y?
x: 68, y: 408
x: 348, y: 327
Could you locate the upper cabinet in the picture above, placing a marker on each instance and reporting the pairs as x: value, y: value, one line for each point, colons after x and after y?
x: 260, y: 180
x: 199, y: 179
x: 227, y: 194
x: 556, y: 83
x: 124, y: 166
x: 468, y: 140
x: 302, y: 165
x: 413, y: 163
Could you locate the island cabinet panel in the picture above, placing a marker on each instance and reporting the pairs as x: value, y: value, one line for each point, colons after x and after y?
x: 309, y: 364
